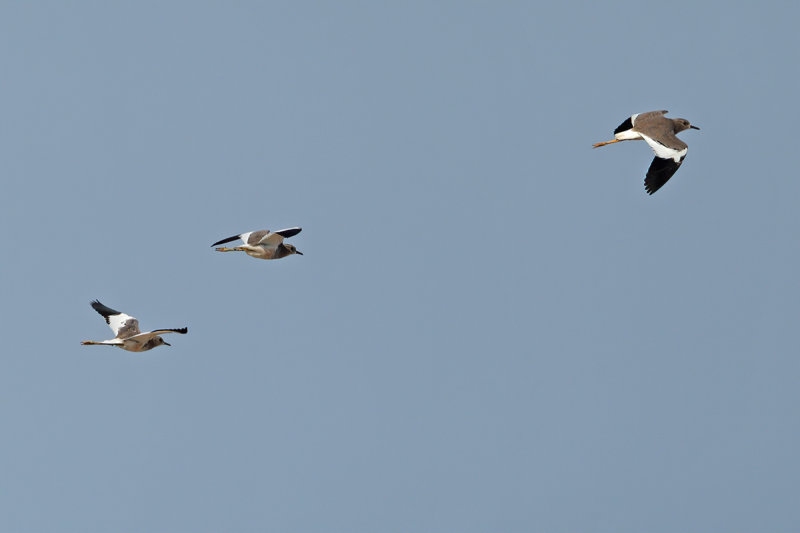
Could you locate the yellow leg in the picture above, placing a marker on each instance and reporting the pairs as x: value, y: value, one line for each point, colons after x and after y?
x: 225, y: 249
x: 598, y: 145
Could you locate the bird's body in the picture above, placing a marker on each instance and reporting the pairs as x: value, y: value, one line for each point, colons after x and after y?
x: 659, y: 132
x: 263, y: 244
x: 126, y: 331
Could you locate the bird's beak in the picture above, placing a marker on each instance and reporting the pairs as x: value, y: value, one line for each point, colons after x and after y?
x: 298, y: 252
x: 694, y: 127
x: 168, y: 344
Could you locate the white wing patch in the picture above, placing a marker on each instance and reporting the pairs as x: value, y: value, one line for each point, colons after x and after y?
x: 123, y: 324
x: 665, y: 152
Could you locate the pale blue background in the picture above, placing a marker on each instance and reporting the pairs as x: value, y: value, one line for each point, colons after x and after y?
x: 494, y: 328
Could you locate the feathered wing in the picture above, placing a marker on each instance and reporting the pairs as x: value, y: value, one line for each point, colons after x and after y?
x: 272, y: 238
x: 667, y: 161
x: 144, y: 338
x: 660, y: 171
x: 121, y: 324
x: 229, y: 239
x: 670, y: 147
x: 263, y: 236
x: 639, y: 118
x: 103, y: 343
x: 169, y: 330
x: 288, y: 232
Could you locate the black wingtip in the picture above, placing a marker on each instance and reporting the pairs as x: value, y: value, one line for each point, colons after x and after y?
x: 104, y: 310
x: 660, y: 171
x: 223, y: 241
x: 289, y: 232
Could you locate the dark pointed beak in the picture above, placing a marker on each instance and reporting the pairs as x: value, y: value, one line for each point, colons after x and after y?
x: 694, y: 127
x: 168, y: 344
x: 298, y: 252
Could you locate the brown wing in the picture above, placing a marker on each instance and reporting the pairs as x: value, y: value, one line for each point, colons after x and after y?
x: 650, y: 115
x: 259, y: 237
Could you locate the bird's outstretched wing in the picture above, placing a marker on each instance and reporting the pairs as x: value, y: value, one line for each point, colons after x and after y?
x: 637, y: 119
x: 668, y: 147
x: 272, y: 238
x: 640, y: 118
x: 288, y: 232
x: 669, y: 156
x: 144, y: 338
x: 121, y: 324
x: 229, y: 239
x: 263, y: 236
x: 169, y: 330
x: 660, y: 171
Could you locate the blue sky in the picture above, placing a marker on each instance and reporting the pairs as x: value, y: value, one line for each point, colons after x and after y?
x: 493, y: 327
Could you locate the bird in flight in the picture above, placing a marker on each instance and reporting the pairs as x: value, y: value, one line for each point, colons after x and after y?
x: 263, y: 244
x: 126, y: 331
x: 659, y: 132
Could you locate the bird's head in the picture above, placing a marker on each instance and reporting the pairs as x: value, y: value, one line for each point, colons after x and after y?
x: 159, y: 341
x: 681, y: 124
x: 292, y: 249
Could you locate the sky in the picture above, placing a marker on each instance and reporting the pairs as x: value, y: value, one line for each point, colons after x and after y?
x: 493, y: 328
